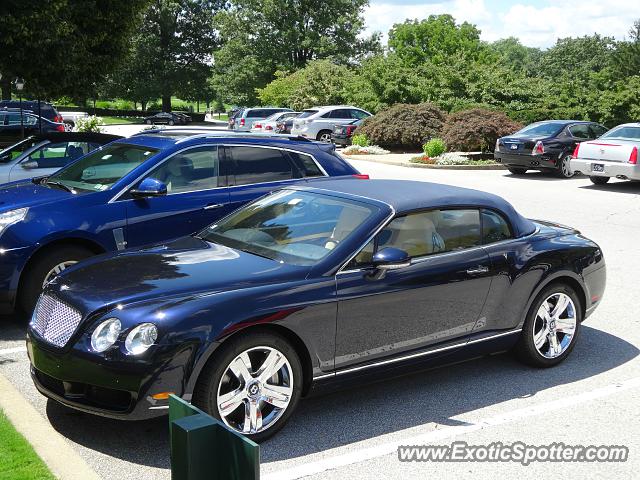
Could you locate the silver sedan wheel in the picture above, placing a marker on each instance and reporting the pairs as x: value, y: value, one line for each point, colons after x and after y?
x: 566, y: 167
x: 55, y: 271
x: 325, y: 137
x: 555, y: 325
x: 255, y: 390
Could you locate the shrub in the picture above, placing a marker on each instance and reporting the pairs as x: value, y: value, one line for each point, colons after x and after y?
x: 477, y: 129
x: 370, y: 150
x: 360, y: 140
x: 434, y: 147
x: 404, y: 126
x: 89, y: 124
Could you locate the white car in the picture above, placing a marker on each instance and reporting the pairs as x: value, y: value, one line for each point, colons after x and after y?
x: 268, y: 125
x: 42, y: 155
x: 70, y: 118
x: 614, y: 154
x: 318, y: 123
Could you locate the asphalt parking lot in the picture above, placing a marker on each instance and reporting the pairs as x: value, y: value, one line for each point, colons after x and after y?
x: 591, y: 399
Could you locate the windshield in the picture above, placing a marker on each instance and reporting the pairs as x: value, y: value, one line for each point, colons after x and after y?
x: 102, y: 168
x: 539, y: 130
x: 307, y: 113
x: 629, y: 133
x: 298, y: 228
x: 18, y: 149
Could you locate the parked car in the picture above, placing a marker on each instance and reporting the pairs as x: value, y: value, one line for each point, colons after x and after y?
x: 342, y: 133
x: 42, y: 155
x: 248, y: 116
x: 318, y: 123
x: 546, y: 146
x: 70, y: 118
x: 167, y: 118
x: 144, y: 189
x: 313, y: 285
x: 46, y: 110
x: 234, y: 113
x: 270, y: 124
x: 615, y: 154
x: 285, y: 126
x: 11, y: 127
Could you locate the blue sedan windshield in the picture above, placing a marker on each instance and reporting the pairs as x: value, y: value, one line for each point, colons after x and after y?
x: 299, y: 228
x: 102, y: 168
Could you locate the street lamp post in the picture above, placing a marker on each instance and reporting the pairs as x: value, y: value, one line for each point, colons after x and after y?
x: 19, y: 83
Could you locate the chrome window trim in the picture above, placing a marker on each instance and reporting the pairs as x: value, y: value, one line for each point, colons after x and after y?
x: 416, y: 355
x: 140, y: 177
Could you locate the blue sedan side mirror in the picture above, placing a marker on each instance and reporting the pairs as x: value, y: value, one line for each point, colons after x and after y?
x: 391, y: 258
x: 149, y: 187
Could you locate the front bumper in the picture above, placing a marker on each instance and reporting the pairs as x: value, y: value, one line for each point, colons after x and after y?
x: 12, y: 263
x: 106, y: 385
x: 611, y: 169
x: 534, y: 162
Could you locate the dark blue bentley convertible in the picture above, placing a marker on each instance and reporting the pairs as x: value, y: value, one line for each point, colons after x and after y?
x: 145, y: 189
x: 306, y: 287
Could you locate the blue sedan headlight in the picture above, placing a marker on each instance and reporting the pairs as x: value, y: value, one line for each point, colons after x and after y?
x: 105, y: 334
x: 12, y: 216
x: 141, y: 338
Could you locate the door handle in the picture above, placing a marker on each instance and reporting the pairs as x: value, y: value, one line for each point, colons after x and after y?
x: 214, y: 206
x: 479, y: 270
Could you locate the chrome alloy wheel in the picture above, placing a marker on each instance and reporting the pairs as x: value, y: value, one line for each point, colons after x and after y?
x: 55, y: 271
x: 325, y: 137
x: 565, y: 166
x: 255, y: 390
x: 555, y: 325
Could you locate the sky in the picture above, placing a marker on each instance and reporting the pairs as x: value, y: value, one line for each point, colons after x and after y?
x: 537, y: 23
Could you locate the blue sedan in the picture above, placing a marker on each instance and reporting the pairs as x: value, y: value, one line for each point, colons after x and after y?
x: 308, y: 287
x: 145, y: 189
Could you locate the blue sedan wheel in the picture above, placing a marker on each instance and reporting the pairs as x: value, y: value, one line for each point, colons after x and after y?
x: 252, y: 385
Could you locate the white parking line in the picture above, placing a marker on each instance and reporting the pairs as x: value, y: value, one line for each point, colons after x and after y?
x: 337, y: 461
x: 9, y: 351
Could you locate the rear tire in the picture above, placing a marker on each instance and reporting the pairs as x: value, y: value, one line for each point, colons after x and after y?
x: 536, y: 346
x: 599, y: 180
x: 517, y: 171
x: 217, y: 381
x: 148, y: 122
x: 45, y: 268
x: 324, y: 136
x: 171, y: 122
x: 564, y: 169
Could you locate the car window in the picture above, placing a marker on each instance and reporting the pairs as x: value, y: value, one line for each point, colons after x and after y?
x: 290, y: 226
x: 358, y: 114
x: 625, y: 132
x: 57, y: 155
x: 102, y: 168
x: 547, y: 129
x: 14, y: 119
x: 426, y: 233
x: 306, y: 164
x: 18, y: 149
x: 580, y: 131
x: 341, y: 113
x: 494, y: 227
x: 597, y: 130
x: 307, y: 113
x: 189, y: 171
x: 258, y: 165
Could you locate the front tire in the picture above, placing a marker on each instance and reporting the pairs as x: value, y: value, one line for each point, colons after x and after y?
x: 599, y: 180
x: 551, y: 327
x: 44, y: 268
x: 517, y: 170
x: 252, y: 384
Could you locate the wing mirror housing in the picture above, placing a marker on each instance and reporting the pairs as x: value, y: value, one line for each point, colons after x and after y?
x: 29, y: 164
x: 391, y: 258
x: 149, y: 187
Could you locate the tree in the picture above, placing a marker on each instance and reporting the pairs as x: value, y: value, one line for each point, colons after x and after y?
x: 627, y: 57
x: 262, y: 37
x: 63, y: 46
x: 512, y: 54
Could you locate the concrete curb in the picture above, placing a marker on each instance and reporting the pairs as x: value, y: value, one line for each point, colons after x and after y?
x: 63, y: 461
x: 367, y: 158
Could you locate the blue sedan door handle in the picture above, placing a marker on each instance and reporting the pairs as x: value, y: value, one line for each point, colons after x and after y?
x: 213, y: 206
x: 479, y: 270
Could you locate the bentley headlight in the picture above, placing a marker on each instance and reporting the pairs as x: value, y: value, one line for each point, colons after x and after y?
x: 141, y: 338
x: 105, y: 334
x: 11, y: 217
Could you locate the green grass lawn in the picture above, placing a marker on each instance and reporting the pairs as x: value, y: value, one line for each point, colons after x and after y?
x: 120, y: 120
x: 18, y: 461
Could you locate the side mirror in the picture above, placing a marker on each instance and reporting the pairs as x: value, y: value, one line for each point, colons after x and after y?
x: 391, y: 259
x: 149, y: 187
x: 29, y: 164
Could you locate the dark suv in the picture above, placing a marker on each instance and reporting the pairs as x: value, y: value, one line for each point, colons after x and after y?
x: 546, y: 146
x: 11, y: 127
x: 47, y: 110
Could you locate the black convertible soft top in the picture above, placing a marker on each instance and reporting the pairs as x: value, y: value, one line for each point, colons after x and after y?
x: 406, y: 195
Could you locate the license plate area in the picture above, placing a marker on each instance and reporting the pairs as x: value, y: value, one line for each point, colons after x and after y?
x: 597, y: 167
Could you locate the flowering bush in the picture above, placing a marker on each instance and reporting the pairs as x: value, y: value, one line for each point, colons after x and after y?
x: 370, y: 150
x: 88, y: 124
x: 457, y: 159
x: 434, y: 147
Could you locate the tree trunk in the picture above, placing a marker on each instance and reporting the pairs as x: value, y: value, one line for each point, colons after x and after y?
x: 6, y: 89
x: 166, y: 103
x: 143, y: 105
